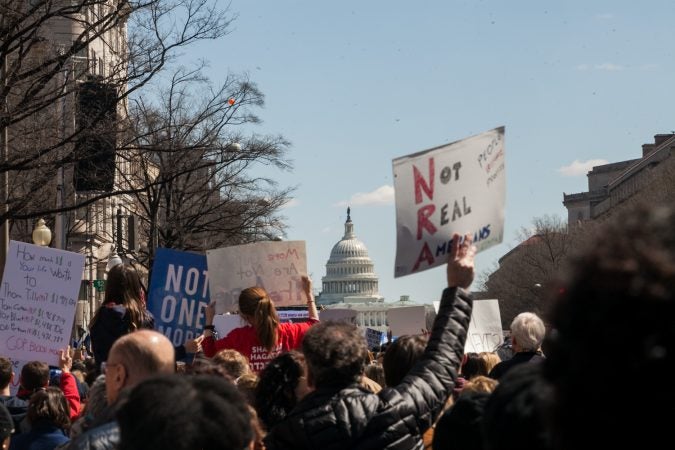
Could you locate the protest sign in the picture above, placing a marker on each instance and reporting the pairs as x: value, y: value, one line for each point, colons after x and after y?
x: 485, y: 329
x: 458, y: 187
x: 276, y: 267
x: 17, y: 367
x: 38, y: 298
x: 178, y: 294
x: 374, y: 337
x: 293, y: 315
x: 338, y: 315
x: 225, y: 323
x: 407, y: 320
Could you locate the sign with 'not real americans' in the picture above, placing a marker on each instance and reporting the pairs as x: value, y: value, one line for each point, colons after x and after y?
x: 456, y: 188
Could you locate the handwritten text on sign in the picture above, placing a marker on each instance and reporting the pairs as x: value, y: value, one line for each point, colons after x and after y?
x: 456, y: 188
x: 277, y: 267
x: 38, y: 297
x: 179, y: 293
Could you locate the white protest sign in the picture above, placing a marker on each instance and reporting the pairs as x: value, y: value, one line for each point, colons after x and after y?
x: 485, y: 329
x: 225, y: 323
x: 17, y: 367
x: 275, y: 266
x: 456, y: 188
x: 38, y: 298
x: 408, y: 320
x: 338, y: 315
x: 293, y: 315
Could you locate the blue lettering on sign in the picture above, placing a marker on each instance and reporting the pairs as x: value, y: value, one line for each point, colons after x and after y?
x: 179, y: 294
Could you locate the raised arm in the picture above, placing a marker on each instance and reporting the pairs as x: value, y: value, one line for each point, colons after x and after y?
x: 311, y: 304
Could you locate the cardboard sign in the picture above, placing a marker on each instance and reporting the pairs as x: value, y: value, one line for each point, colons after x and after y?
x: 276, y: 267
x: 38, y: 298
x: 485, y: 329
x: 408, y: 320
x: 456, y: 188
x: 178, y: 294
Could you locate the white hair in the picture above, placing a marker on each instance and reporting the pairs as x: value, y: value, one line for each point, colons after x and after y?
x: 528, y: 330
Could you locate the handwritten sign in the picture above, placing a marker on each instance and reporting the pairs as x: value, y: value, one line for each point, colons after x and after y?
x: 408, y: 320
x: 456, y: 188
x: 485, y: 329
x: 225, y: 323
x: 179, y: 293
x: 38, y: 298
x: 276, y: 267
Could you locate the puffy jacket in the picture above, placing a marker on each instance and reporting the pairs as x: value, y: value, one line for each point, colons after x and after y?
x: 104, y: 437
x: 350, y: 417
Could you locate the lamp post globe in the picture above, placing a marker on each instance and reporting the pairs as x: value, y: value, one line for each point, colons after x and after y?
x: 42, y: 235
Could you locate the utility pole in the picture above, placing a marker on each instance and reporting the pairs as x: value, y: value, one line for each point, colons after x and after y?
x: 4, y: 176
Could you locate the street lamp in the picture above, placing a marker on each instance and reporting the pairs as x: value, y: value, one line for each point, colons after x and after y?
x: 113, y: 260
x: 42, y: 235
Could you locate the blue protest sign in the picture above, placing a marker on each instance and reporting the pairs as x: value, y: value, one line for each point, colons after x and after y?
x: 178, y: 294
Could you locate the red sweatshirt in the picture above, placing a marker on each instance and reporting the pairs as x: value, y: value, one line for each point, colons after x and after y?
x: 245, y: 341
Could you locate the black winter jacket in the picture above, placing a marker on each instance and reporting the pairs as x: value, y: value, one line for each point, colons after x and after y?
x: 350, y: 417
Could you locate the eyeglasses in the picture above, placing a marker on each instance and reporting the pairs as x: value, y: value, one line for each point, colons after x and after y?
x: 105, y: 365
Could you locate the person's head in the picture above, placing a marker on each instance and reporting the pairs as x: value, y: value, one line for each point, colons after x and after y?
x: 135, y: 357
x: 335, y: 353
x: 473, y: 366
x: 234, y: 363
x: 282, y: 384
x: 49, y: 405
x: 375, y: 372
x: 124, y: 287
x: 527, y: 332
x: 6, y: 426
x: 257, y: 308
x: 34, y: 375
x: 517, y: 412
x: 6, y: 373
x: 480, y: 383
x: 461, y: 426
x: 615, y: 316
x: 401, y: 356
x: 185, y: 413
x: 491, y: 359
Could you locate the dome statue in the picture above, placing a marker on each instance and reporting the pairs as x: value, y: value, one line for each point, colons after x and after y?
x: 350, y: 273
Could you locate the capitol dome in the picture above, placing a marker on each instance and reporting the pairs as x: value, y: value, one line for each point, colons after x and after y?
x: 350, y: 273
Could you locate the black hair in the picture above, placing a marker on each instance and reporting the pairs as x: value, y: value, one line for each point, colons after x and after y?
x: 49, y: 405
x: 5, y: 372
x: 335, y: 352
x: 461, y: 427
x: 473, y: 366
x: 614, y: 318
x: 401, y: 356
x: 34, y: 375
x: 184, y: 413
x: 275, y: 393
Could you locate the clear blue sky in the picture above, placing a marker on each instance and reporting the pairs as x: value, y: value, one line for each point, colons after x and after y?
x: 354, y: 84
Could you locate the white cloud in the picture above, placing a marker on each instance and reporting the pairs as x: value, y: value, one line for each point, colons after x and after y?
x: 292, y: 203
x: 610, y: 67
x: 604, y: 16
x: 578, y: 168
x: 607, y: 67
x: 384, y: 195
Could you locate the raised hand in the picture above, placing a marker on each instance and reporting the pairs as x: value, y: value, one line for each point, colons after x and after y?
x: 460, y: 268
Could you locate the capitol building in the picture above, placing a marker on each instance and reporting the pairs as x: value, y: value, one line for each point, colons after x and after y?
x: 351, y: 283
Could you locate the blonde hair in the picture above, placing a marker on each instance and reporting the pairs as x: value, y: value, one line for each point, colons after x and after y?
x: 480, y: 384
x: 491, y: 359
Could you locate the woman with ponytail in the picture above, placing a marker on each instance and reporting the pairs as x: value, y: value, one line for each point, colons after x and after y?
x: 123, y: 311
x: 264, y: 337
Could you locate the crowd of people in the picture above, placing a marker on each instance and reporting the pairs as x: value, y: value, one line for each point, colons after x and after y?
x: 316, y: 385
